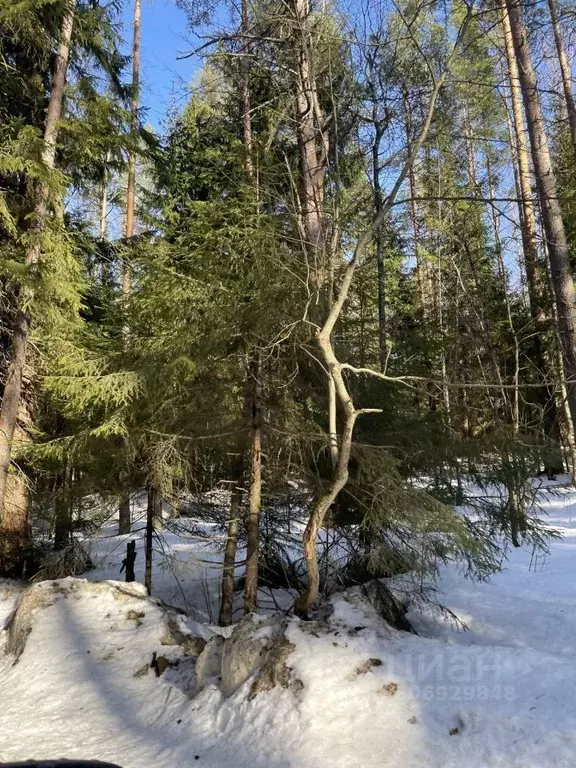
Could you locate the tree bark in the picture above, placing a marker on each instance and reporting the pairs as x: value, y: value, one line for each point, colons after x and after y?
x: 150, y: 518
x: 103, y: 221
x: 131, y: 191
x: 564, y: 71
x: 11, y: 402
x: 254, y: 408
x: 62, y: 524
x: 529, y: 229
x: 227, y: 595
x: 14, y: 535
x: 131, y: 186
x: 558, y: 250
x: 309, y: 596
x: 333, y: 422
x: 63, y: 514
x: 255, y: 492
x: 246, y: 97
x: 125, y: 516
x: 312, y: 150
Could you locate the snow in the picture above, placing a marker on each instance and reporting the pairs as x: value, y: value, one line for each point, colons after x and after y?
x: 501, y: 695
x: 187, y: 564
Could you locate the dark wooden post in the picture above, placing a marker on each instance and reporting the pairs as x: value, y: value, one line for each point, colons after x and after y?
x: 129, y: 560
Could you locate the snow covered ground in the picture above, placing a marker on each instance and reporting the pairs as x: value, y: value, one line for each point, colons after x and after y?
x: 501, y: 695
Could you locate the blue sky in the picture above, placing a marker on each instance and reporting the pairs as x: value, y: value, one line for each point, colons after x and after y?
x: 164, y: 36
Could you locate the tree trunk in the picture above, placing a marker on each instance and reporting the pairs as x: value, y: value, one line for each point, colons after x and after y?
x: 529, y: 229
x: 103, y: 221
x: 255, y: 492
x: 333, y: 422
x: 131, y: 192
x: 131, y: 187
x: 534, y: 269
x: 150, y: 515
x: 246, y: 99
x: 312, y: 150
x: 377, y: 122
x: 11, y: 402
x: 564, y: 71
x: 424, y: 280
x: 158, y: 512
x: 254, y: 409
x: 63, y: 513
x: 125, y: 516
x: 227, y: 597
x: 62, y: 524
x: 309, y: 597
x: 558, y: 250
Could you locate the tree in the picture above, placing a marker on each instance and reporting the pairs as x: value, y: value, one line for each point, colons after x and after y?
x: 14, y: 532
x: 564, y: 71
x: 536, y: 279
x: 557, y: 244
x: 336, y: 369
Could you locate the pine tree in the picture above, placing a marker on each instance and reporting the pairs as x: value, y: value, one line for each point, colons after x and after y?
x: 557, y: 244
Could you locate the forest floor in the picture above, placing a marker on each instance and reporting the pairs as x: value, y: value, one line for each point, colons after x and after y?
x: 501, y: 694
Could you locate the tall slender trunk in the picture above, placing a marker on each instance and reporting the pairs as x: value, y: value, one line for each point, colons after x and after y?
x: 131, y: 187
x: 124, y: 509
x: 426, y: 293
x: 562, y: 405
x: 564, y: 71
x: 12, y: 399
x: 378, y: 124
x: 103, y: 223
x: 438, y: 303
x: 255, y: 493
x: 558, y: 250
x: 63, y: 517
x: 535, y: 279
x: 420, y: 279
x: 246, y: 96
x: 528, y: 215
x: 103, y: 213
x: 103, y: 220
x: 227, y: 594
x: 311, y: 148
x: 254, y: 403
x: 151, y: 506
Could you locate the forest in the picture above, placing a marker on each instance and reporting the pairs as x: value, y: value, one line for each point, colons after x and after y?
x: 315, y: 332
